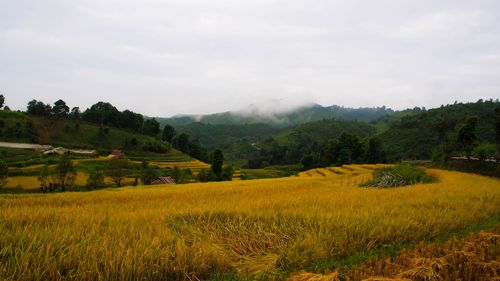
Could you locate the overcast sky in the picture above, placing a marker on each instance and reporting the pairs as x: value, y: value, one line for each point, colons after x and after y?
x: 191, y: 56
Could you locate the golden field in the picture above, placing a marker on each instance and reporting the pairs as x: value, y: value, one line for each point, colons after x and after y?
x: 269, y: 228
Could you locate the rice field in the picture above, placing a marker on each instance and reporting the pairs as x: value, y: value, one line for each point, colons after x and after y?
x: 472, y: 258
x: 31, y: 183
x: 258, y: 229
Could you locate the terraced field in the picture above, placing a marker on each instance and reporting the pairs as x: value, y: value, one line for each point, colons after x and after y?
x: 258, y: 229
x: 29, y: 180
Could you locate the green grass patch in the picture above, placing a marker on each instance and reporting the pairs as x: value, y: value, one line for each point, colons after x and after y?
x: 399, y: 175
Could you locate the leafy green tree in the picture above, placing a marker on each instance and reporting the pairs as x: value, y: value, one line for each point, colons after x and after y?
x: 374, y: 153
x: 148, y: 174
x: 151, y: 127
x: 182, y: 142
x: 2, y: 101
x: 76, y: 113
x: 217, y: 163
x: 206, y: 175
x: 38, y: 108
x: 497, y: 129
x: 65, y: 174
x: 95, y: 179
x: 102, y: 113
x: 131, y: 120
x: 467, y: 135
x: 4, y: 174
x: 227, y: 173
x: 118, y: 168
x: 44, y: 178
x: 178, y: 175
x: 60, y: 109
x: 308, y: 161
x: 484, y: 151
x: 168, y: 133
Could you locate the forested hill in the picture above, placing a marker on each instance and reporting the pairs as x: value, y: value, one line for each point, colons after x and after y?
x: 416, y: 136
x: 242, y: 143
x: 254, y: 115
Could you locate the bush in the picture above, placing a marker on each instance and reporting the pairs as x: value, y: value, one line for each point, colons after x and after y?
x: 399, y: 175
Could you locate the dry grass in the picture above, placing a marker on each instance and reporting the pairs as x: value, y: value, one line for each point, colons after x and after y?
x: 469, y: 259
x: 246, y: 227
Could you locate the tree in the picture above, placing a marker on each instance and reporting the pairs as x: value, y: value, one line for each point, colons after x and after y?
x: 2, y: 101
x: 217, y: 163
x: 102, y: 113
x: 38, y: 108
x: 118, y: 168
x: 467, y: 135
x: 182, y: 142
x: 206, y: 175
x: 497, y: 129
x: 227, y: 173
x: 65, y: 174
x: 131, y: 120
x: 75, y: 113
x: 151, y: 127
x: 60, y: 109
x: 168, y: 133
x: 374, y: 153
x: 95, y: 179
x: 4, y: 174
x: 148, y: 174
x: 46, y: 184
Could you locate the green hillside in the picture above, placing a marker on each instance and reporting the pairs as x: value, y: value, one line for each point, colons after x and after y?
x: 71, y: 133
x: 415, y: 136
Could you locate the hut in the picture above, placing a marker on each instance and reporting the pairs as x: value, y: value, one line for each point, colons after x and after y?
x: 116, y: 153
x: 163, y: 180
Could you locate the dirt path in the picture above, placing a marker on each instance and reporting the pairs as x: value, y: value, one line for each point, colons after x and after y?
x: 46, y: 149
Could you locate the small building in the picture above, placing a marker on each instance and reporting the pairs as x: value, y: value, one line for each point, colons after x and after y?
x: 163, y: 180
x: 116, y: 153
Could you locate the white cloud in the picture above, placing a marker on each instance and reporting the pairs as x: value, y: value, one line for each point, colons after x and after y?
x: 168, y: 57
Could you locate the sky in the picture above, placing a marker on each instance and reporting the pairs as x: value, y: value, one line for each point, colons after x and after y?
x: 162, y: 58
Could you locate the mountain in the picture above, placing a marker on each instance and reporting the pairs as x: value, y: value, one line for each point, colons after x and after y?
x: 418, y: 133
x: 279, y: 116
x: 242, y: 142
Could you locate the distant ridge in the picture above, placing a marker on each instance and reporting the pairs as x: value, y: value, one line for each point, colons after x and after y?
x: 279, y: 117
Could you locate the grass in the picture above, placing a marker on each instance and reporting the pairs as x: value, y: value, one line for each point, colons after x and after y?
x: 269, y: 172
x: 268, y: 228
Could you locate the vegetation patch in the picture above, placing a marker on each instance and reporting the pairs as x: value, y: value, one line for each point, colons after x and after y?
x: 399, y: 175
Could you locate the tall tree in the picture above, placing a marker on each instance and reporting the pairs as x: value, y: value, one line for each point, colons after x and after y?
x: 118, y: 168
x: 168, y: 133
x: 65, y: 172
x: 148, y: 174
x: 374, y: 153
x: 46, y: 184
x: 60, y: 109
x: 497, y: 129
x: 4, y: 173
x: 39, y: 108
x: 2, y: 101
x: 467, y: 135
x: 102, y: 113
x: 151, y: 127
x: 75, y: 113
x: 217, y: 163
x: 95, y: 179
